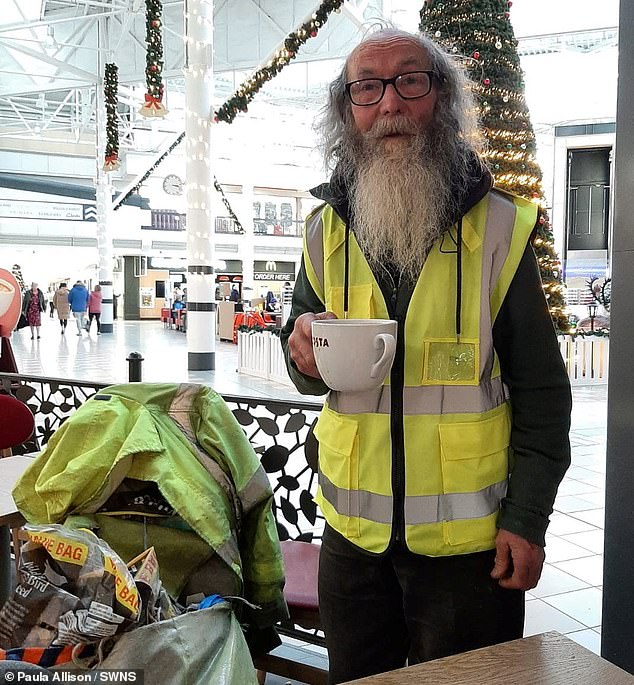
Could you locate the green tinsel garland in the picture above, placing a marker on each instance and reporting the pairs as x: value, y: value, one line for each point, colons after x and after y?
x: 153, y: 105
x: 111, y: 90
x: 240, y: 100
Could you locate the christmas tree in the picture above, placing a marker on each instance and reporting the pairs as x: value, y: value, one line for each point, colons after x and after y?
x: 481, y: 32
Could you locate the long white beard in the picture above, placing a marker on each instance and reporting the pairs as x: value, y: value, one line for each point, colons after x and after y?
x: 401, y: 200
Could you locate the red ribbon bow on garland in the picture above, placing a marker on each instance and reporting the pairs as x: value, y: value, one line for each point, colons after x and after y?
x: 153, y: 107
x: 111, y: 162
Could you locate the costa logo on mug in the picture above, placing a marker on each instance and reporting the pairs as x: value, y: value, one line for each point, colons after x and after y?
x: 354, y: 355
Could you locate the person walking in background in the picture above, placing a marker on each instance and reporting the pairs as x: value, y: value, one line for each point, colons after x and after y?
x: 94, y: 308
x: 32, y: 308
x: 78, y: 300
x: 51, y: 302
x: 60, y: 302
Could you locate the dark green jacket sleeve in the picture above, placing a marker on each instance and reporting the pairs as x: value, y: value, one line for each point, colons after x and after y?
x: 533, y: 370
x: 304, y: 300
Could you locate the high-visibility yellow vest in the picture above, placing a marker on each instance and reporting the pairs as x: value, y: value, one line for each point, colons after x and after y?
x: 456, y: 415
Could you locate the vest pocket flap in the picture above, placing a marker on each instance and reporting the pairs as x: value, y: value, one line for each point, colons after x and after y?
x: 336, y: 433
x: 333, y: 240
x: 473, y: 439
x: 360, y: 305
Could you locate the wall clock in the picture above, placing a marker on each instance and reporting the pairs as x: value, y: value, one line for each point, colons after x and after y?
x: 173, y: 185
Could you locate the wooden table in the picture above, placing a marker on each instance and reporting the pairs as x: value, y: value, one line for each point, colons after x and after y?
x: 11, y: 468
x: 546, y: 659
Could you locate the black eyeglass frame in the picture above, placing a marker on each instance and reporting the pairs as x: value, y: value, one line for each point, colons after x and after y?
x: 387, y: 81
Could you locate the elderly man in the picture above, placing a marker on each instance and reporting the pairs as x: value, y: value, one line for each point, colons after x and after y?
x: 436, y: 488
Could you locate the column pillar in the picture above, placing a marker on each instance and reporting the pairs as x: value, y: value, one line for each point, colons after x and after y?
x: 246, y: 240
x: 617, y: 630
x: 103, y: 191
x: 201, y: 307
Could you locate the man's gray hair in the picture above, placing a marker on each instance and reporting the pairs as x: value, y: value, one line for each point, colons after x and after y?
x: 455, y: 115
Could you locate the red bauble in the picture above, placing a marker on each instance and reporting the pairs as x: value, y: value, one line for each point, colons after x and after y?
x: 487, y: 82
x: 313, y: 34
x: 156, y: 23
x: 153, y: 67
x: 476, y: 55
x: 541, y: 218
x: 509, y: 3
x: 507, y: 15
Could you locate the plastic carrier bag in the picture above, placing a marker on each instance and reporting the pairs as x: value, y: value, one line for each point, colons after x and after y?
x: 75, y: 598
x: 204, y: 647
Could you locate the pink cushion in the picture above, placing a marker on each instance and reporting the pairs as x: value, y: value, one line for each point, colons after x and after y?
x: 301, y: 560
x: 16, y: 422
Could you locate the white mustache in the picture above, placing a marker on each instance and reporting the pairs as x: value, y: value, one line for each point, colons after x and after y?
x: 393, y: 126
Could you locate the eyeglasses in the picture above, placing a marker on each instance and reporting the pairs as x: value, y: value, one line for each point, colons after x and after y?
x: 410, y: 86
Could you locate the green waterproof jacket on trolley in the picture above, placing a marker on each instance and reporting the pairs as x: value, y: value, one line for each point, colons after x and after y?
x: 185, y: 439
x: 456, y: 415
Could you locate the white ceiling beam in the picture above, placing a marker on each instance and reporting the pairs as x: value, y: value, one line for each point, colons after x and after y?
x: 8, y: 28
x: 353, y: 15
x: 135, y: 38
x: 125, y: 25
x: 282, y: 31
x: 80, y: 33
x: 59, y: 108
x: 61, y: 66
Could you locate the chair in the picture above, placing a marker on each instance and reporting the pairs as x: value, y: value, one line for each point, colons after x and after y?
x: 301, y: 561
x: 16, y: 427
x: 17, y: 424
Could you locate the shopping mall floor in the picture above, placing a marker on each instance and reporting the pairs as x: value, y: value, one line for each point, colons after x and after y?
x: 568, y: 597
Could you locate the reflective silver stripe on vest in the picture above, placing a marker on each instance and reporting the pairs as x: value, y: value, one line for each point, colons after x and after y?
x: 454, y: 506
x: 495, y: 250
x: 432, y: 399
x: 500, y: 218
x: 418, y: 509
x: 367, y: 505
x: 314, y: 233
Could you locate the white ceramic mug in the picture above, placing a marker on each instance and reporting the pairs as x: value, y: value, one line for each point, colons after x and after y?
x: 7, y: 291
x: 353, y: 355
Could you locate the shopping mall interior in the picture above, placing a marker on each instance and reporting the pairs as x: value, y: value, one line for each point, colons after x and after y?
x: 70, y: 210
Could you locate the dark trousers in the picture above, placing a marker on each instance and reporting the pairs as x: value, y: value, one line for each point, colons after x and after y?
x: 94, y: 315
x: 379, y: 611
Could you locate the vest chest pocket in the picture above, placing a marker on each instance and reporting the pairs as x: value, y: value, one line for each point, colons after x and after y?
x: 475, y: 453
x: 360, y: 304
x: 338, y: 449
x: 474, y: 458
x: 339, y: 463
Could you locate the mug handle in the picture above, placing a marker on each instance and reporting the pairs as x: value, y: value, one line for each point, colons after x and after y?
x: 379, y: 369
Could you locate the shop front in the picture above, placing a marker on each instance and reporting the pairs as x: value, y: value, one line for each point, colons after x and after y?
x: 270, y: 276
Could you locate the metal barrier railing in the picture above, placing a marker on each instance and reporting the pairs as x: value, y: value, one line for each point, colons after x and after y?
x: 280, y: 431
